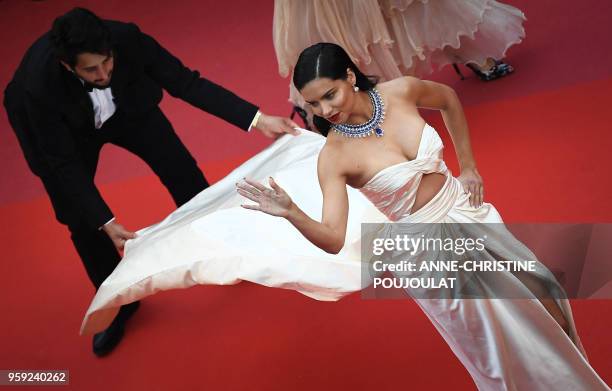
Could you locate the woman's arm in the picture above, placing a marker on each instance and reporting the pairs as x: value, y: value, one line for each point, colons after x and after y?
x: 432, y: 95
x: 329, y: 234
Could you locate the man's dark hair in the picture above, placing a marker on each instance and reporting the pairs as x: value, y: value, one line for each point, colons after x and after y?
x: 79, y: 31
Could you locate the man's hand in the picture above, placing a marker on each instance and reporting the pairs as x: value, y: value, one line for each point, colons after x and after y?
x: 274, y: 127
x: 118, y: 234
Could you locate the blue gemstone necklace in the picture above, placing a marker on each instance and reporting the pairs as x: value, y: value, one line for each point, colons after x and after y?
x: 373, y: 125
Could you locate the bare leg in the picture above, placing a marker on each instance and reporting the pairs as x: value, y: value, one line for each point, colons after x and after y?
x: 538, y: 288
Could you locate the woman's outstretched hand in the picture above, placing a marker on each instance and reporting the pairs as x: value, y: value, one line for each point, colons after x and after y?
x: 472, y: 183
x: 274, y: 201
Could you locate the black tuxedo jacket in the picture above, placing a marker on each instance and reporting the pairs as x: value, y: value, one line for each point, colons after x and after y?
x: 51, y: 112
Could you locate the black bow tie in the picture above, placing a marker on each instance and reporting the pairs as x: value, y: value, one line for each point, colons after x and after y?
x: 89, y: 87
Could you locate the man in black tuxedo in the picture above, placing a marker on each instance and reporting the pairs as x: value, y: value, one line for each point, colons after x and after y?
x: 88, y: 82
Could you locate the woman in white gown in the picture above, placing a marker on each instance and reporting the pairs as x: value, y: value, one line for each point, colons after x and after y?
x: 525, y: 344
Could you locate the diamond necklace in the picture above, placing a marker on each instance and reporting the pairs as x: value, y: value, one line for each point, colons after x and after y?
x: 373, y: 125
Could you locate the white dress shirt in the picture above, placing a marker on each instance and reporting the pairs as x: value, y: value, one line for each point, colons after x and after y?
x: 103, y: 105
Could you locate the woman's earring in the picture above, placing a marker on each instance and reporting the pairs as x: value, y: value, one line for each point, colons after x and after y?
x: 355, y: 88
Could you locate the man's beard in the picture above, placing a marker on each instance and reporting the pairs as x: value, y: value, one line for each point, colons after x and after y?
x: 97, y: 86
x: 106, y: 84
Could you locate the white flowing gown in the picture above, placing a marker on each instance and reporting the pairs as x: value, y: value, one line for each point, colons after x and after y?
x: 505, y: 344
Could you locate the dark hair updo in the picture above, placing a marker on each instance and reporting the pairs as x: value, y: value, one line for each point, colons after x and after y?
x: 330, y: 61
x: 79, y: 31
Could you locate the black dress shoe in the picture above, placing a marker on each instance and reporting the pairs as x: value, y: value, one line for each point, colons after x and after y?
x: 105, y: 341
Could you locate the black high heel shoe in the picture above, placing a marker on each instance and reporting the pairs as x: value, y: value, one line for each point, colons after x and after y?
x: 499, y: 69
x: 456, y: 68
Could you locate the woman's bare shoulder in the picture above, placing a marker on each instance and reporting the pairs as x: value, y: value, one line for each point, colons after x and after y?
x: 329, y: 154
x: 330, y: 160
x: 403, y: 88
x: 400, y: 84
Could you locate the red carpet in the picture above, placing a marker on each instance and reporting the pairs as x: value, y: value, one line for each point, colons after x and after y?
x: 542, y: 141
